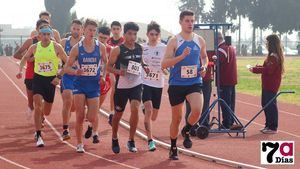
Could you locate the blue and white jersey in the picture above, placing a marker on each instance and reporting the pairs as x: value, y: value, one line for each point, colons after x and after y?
x: 186, y: 72
x: 89, y: 62
x: 68, y: 46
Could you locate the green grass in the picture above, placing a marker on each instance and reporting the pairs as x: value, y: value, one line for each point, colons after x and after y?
x: 251, y: 83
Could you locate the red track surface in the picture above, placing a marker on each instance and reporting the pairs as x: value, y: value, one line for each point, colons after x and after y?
x: 17, y: 144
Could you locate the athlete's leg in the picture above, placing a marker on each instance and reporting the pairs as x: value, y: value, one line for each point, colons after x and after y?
x: 176, y: 119
x: 80, y: 115
x: 196, y: 101
x: 38, y: 104
x: 148, y: 116
x: 67, y: 97
x: 134, y: 117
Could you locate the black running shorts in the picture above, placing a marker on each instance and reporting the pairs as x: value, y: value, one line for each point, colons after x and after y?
x: 122, y: 95
x: 177, y: 94
x: 152, y: 94
x: 42, y: 85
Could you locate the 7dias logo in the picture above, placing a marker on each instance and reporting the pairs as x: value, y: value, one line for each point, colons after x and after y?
x: 277, y: 152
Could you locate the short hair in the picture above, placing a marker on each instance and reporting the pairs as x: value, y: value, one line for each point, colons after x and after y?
x: 40, y: 22
x: 115, y: 23
x: 44, y: 13
x: 153, y: 26
x: 186, y: 13
x: 131, y: 26
x: 104, y: 30
x: 89, y: 21
x: 77, y: 21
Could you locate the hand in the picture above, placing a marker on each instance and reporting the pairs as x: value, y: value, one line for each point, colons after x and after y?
x: 78, y: 72
x: 251, y: 69
x: 19, y: 75
x: 214, y: 57
x: 146, y: 69
x: 102, y: 81
x: 120, y: 72
x: 55, y: 81
x: 186, y: 52
x: 202, y: 71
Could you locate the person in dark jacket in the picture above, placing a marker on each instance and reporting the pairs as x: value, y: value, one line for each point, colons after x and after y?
x: 271, y: 74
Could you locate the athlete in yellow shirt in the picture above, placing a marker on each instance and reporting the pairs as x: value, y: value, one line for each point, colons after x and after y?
x: 47, y: 56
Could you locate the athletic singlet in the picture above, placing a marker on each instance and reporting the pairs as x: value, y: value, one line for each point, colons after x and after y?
x: 30, y: 65
x: 186, y: 72
x: 130, y: 61
x: 46, y: 62
x: 153, y: 57
x: 68, y: 46
x: 89, y: 62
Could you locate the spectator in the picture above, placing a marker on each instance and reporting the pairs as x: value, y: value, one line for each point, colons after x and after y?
x: 259, y: 50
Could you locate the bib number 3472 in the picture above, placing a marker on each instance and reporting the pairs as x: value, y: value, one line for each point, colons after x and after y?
x: 189, y: 71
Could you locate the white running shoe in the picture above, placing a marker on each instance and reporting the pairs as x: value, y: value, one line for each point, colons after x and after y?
x: 40, y: 142
x: 28, y: 113
x: 80, y: 148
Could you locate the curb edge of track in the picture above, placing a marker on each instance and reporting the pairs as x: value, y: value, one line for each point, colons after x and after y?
x: 188, y: 152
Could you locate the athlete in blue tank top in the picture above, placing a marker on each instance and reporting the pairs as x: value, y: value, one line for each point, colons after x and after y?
x: 186, y: 56
x: 67, y: 82
x: 88, y: 54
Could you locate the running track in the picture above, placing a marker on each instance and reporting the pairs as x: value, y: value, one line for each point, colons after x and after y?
x: 18, y: 149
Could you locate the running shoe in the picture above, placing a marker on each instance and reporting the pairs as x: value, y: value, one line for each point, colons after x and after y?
x: 40, y: 142
x: 173, y: 153
x: 66, y: 135
x: 80, y: 148
x: 151, y: 146
x: 96, y: 139
x: 131, y: 146
x: 88, y: 132
x: 115, y: 146
x: 270, y: 131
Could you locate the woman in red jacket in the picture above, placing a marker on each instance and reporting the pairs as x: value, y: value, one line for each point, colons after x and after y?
x: 271, y: 73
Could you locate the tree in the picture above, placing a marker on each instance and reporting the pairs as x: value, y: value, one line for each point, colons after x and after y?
x: 196, y: 6
x: 60, y: 11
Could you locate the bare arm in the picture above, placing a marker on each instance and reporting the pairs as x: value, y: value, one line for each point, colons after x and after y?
x: 23, y: 48
x: 60, y: 52
x: 63, y: 42
x: 56, y: 36
x: 169, y: 59
x: 203, y: 58
x: 27, y: 55
x: 104, y: 58
x: 70, y: 62
x: 112, y: 60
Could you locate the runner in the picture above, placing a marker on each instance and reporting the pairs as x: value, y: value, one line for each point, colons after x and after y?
x: 153, y: 82
x: 45, y: 15
x: 29, y: 68
x: 47, y: 55
x: 103, y: 35
x: 67, y: 81
x: 116, y: 40
x: 88, y: 53
x: 127, y: 59
x: 187, y: 59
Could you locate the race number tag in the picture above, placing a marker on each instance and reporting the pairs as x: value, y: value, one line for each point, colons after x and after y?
x: 153, y: 75
x: 89, y: 70
x: 134, y: 68
x: 189, y: 71
x: 45, y: 67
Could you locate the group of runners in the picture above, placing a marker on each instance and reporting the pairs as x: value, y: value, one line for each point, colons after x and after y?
x: 88, y: 63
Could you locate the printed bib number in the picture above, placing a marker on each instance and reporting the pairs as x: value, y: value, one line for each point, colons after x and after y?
x: 89, y: 70
x: 153, y: 75
x: 134, y: 68
x: 189, y: 71
x: 45, y: 67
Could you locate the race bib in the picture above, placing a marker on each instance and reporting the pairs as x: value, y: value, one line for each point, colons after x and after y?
x: 189, y: 71
x: 45, y: 67
x: 89, y: 70
x: 153, y: 75
x: 134, y: 68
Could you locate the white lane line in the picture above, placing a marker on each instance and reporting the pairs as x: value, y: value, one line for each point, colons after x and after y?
x: 57, y: 133
x: 13, y: 163
x: 280, y: 111
x: 282, y: 131
x: 189, y: 152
